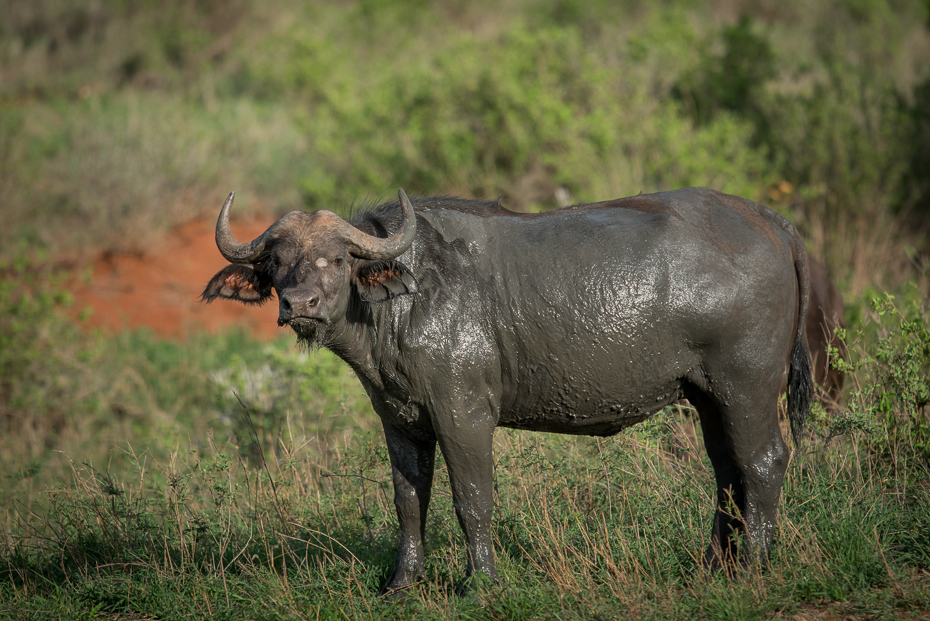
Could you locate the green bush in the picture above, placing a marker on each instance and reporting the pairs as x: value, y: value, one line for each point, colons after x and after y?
x: 258, y: 397
x: 836, y: 124
x: 732, y: 80
x: 541, y: 103
x: 915, y: 190
x: 900, y: 393
x: 534, y: 112
x: 892, y: 394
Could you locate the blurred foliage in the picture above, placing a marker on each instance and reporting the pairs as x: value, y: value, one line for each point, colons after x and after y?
x: 732, y: 80
x: 257, y: 397
x: 36, y: 348
x: 120, y: 119
x: 64, y: 389
x: 839, y: 130
x: 532, y: 112
x: 916, y: 187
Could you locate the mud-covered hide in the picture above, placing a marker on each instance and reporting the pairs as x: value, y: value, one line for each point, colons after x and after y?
x: 459, y: 316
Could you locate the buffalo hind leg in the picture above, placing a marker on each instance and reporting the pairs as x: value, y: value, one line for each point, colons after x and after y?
x: 412, y: 464
x: 749, y: 458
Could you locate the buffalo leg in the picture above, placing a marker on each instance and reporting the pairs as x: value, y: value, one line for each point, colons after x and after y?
x: 749, y: 459
x: 412, y: 464
x: 467, y: 451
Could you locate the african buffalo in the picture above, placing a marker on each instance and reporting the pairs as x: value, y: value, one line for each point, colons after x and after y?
x: 825, y: 314
x: 459, y: 316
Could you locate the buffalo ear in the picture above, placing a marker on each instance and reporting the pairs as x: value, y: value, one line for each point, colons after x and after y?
x: 380, y: 281
x: 241, y: 283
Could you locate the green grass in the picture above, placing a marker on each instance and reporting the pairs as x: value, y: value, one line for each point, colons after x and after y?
x: 67, y: 389
x: 584, y: 529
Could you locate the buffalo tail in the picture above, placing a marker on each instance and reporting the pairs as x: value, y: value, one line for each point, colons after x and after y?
x: 800, y: 379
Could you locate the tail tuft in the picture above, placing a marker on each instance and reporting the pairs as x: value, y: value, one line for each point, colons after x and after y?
x: 800, y: 388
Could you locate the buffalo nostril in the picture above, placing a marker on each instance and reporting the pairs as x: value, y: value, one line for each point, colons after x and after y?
x: 284, y: 310
x: 312, y: 301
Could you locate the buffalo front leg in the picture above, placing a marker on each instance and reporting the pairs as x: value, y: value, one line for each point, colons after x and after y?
x: 467, y: 451
x: 412, y: 463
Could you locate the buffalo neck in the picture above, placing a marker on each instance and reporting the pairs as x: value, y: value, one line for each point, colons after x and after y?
x: 363, y: 338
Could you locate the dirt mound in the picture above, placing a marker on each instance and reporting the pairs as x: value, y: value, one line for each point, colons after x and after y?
x: 159, y: 290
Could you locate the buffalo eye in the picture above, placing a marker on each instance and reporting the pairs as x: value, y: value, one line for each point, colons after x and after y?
x: 337, y: 262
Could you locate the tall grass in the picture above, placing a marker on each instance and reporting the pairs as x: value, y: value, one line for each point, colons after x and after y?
x: 66, y: 389
x: 584, y: 528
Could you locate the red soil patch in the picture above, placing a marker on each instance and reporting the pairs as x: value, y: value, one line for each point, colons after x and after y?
x: 160, y: 289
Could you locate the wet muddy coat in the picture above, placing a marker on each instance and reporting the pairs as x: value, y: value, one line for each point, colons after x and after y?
x: 583, y: 320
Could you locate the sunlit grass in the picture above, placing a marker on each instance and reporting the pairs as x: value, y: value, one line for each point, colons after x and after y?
x: 589, y: 527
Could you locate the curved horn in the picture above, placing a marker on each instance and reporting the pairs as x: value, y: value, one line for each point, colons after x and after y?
x: 231, y: 249
x: 374, y: 248
x: 360, y: 244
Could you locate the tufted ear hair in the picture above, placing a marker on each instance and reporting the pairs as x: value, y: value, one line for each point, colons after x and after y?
x: 379, y: 281
x: 242, y: 283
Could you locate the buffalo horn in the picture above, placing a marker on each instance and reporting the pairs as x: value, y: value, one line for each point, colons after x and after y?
x: 360, y: 244
x: 231, y: 249
x: 374, y: 248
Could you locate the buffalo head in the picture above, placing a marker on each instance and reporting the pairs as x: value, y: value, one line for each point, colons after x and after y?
x: 315, y: 263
